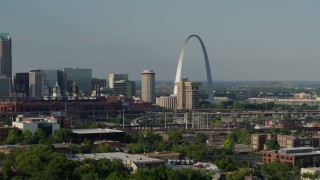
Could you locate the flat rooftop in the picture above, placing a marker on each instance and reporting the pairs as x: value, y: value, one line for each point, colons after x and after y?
x: 94, y: 131
x: 117, y: 155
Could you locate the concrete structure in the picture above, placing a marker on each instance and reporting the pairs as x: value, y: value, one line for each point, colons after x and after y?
x: 311, y: 170
x: 148, y: 86
x: 97, y: 134
x: 5, y: 86
x: 134, y: 161
x: 116, y: 77
x: 21, y: 85
x: 206, y: 59
x: 167, y: 102
x: 48, y: 125
x: 83, y: 79
x: 5, y: 55
x: 290, y: 155
x: 187, y: 94
x: 36, y: 84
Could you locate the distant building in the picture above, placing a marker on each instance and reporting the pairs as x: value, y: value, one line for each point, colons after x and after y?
x: 48, y: 125
x: 134, y: 161
x: 36, y: 84
x: 167, y: 102
x: 83, y: 79
x: 290, y: 155
x: 51, y: 77
x: 116, y: 77
x: 21, y: 85
x: 5, y: 86
x: 148, y: 86
x: 302, y: 96
x: 98, y: 134
x: 258, y: 141
x: 287, y: 141
x: 98, y: 83
x: 124, y: 87
x: 5, y: 55
x: 188, y: 94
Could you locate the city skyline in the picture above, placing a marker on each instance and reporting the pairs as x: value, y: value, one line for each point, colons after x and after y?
x: 247, y: 40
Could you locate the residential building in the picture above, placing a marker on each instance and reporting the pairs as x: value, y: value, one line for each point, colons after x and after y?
x: 258, y: 141
x: 167, y: 102
x: 188, y: 94
x: 288, y: 141
x: 5, y: 55
x: 4, y: 131
x: 148, y: 86
x: 116, y: 77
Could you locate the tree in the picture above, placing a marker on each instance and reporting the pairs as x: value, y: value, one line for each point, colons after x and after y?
x: 276, y: 170
x: 239, y: 174
x: 13, y: 137
x: 63, y: 135
x: 272, y: 144
x: 39, y: 136
x: 174, y: 136
x: 226, y: 163
x: 308, y: 175
x: 201, y: 138
x: 27, y: 137
x: 228, y: 144
x: 104, y: 148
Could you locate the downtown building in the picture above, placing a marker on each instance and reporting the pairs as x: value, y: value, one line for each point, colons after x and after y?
x: 188, y: 96
x: 5, y: 55
x: 82, y: 78
x: 148, y: 86
x: 116, y: 77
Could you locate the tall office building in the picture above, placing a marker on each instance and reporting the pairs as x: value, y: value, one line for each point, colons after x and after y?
x: 148, y: 86
x: 5, y: 86
x: 188, y: 94
x: 116, y: 77
x: 36, y: 84
x: 21, y: 84
x: 51, y: 77
x: 83, y: 79
x: 124, y: 87
x: 5, y: 55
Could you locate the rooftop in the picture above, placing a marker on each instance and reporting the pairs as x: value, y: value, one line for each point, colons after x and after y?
x: 94, y: 131
x: 5, y: 36
x: 117, y: 155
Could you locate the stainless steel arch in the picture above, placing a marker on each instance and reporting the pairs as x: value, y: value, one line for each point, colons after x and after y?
x: 206, y: 59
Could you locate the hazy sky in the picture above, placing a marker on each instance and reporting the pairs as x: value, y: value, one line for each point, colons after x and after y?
x: 245, y: 39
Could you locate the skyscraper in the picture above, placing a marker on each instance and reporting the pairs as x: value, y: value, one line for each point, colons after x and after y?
x: 82, y: 77
x: 116, y: 77
x: 36, y: 83
x: 148, y: 86
x: 5, y: 55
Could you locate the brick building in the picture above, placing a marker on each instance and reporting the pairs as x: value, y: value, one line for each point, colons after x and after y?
x: 290, y: 155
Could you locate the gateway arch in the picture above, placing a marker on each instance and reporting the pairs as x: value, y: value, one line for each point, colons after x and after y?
x: 179, y: 68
